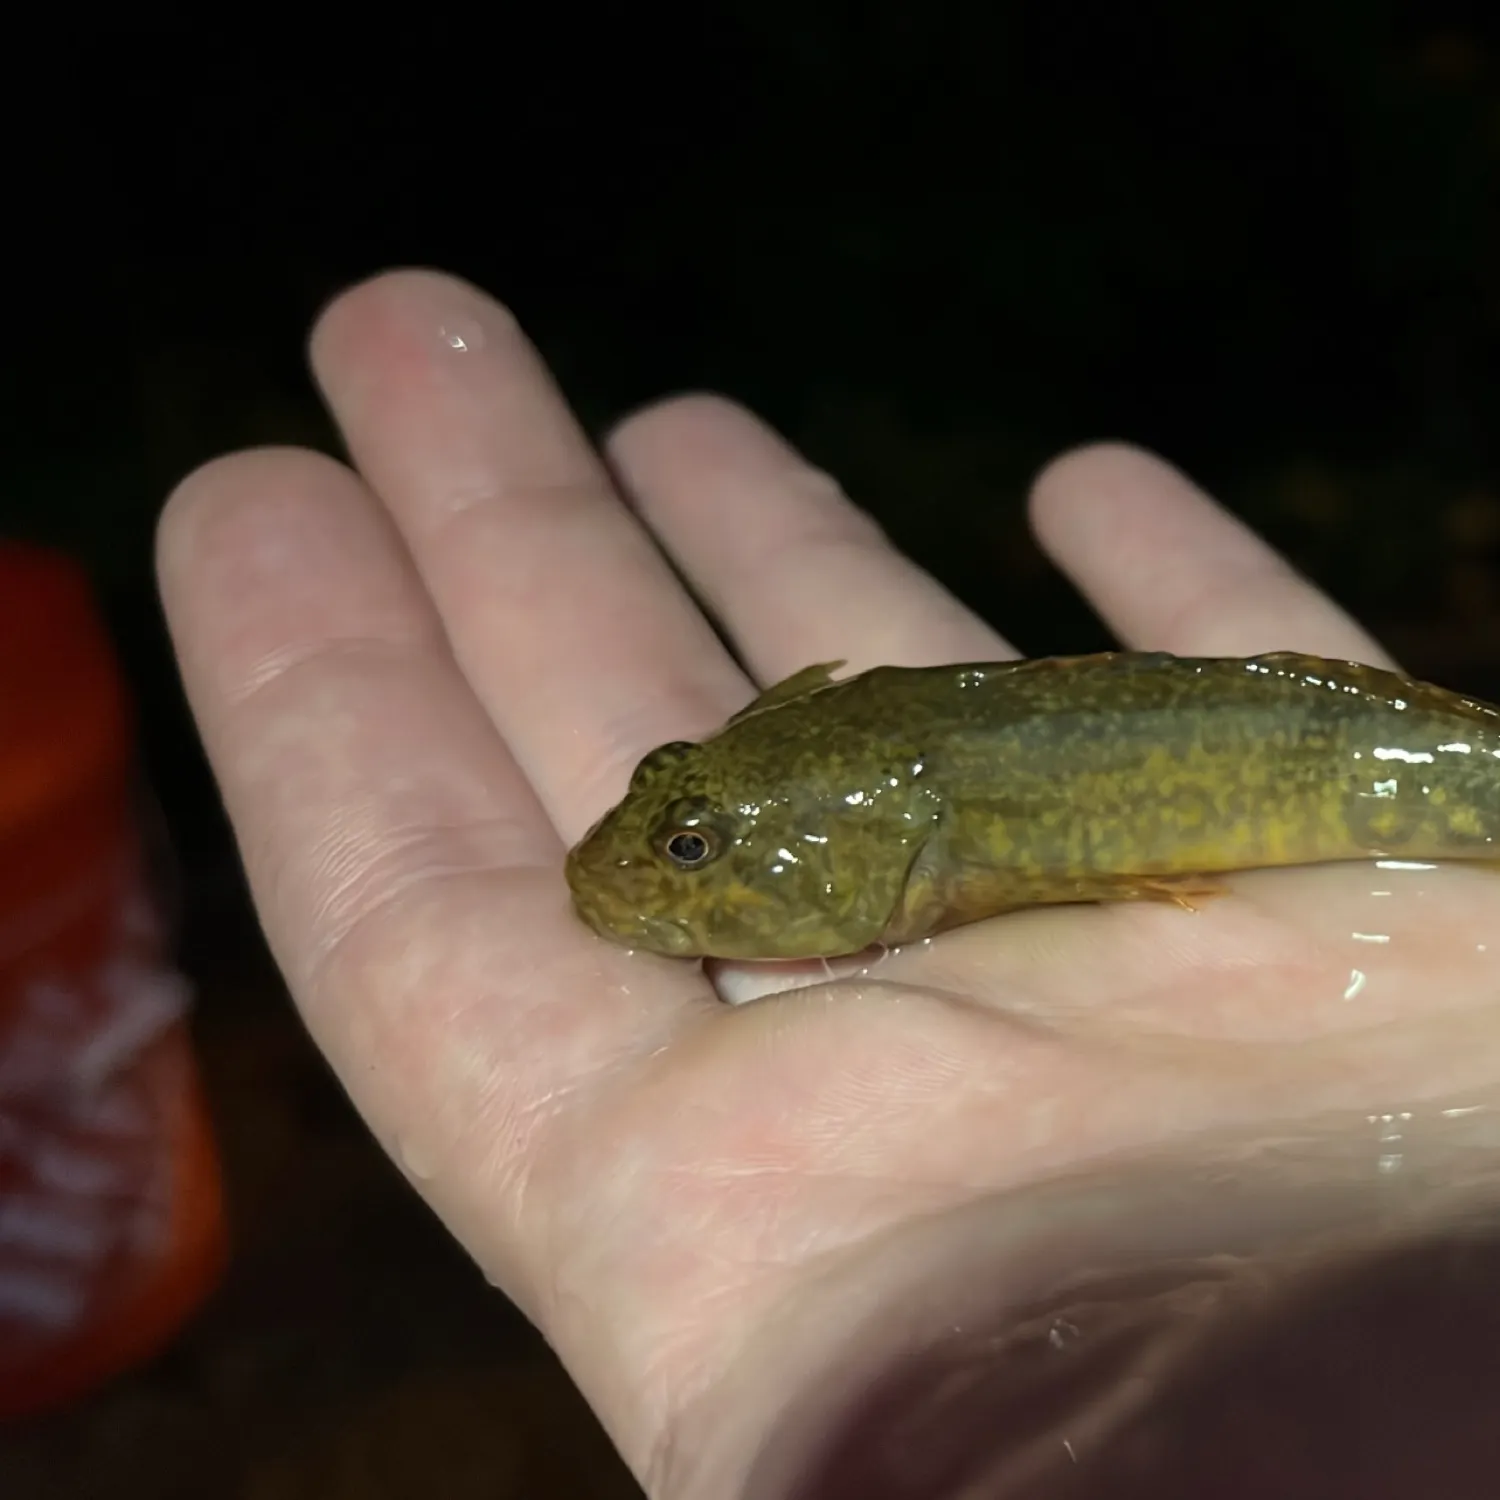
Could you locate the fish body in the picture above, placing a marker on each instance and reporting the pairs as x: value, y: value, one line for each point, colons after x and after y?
x: 898, y: 803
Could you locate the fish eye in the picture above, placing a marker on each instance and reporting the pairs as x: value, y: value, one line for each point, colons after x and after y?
x: 688, y: 848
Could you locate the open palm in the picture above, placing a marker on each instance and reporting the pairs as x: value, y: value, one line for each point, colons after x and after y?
x: 418, y: 682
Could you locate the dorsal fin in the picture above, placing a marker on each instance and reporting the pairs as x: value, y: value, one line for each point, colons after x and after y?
x: 799, y: 685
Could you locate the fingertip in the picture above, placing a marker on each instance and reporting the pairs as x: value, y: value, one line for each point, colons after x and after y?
x: 206, y: 498
x: 1171, y: 568
x: 1072, y: 486
x: 217, y: 517
x: 696, y: 423
x: 379, y: 300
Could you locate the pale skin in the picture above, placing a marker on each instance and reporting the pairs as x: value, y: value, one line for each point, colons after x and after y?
x: 420, y: 678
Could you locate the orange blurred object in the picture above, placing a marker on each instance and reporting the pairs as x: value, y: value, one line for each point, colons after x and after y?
x: 111, y: 1210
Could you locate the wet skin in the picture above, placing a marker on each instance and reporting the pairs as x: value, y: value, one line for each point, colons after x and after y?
x: 896, y: 804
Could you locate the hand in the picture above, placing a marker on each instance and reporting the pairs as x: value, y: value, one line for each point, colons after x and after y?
x: 421, y: 680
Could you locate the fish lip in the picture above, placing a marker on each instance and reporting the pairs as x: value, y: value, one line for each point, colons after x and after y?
x: 668, y: 935
x: 664, y: 935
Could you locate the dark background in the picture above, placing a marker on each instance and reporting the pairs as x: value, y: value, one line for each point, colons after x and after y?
x: 934, y: 243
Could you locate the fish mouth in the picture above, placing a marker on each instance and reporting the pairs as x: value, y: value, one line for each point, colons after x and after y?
x: 614, y: 919
x: 667, y: 936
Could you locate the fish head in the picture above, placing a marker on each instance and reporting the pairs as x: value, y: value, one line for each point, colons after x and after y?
x: 716, y: 854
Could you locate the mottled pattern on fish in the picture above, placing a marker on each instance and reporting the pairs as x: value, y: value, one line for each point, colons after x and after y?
x: 904, y: 801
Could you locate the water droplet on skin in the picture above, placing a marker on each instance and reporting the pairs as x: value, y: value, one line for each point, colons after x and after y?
x: 1391, y: 1129
x: 463, y: 334
x: 1062, y: 1333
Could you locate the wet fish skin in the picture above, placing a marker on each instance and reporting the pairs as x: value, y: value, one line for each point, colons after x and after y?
x: 902, y: 802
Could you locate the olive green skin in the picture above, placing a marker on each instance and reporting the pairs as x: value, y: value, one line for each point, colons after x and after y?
x: 904, y: 801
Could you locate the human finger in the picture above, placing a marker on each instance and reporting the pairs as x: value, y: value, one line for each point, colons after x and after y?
x: 1171, y: 569
x: 564, y: 617
x: 794, y: 570
x: 408, y: 880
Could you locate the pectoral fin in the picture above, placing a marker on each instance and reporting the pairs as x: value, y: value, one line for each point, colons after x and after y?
x: 936, y: 900
x: 1188, y: 892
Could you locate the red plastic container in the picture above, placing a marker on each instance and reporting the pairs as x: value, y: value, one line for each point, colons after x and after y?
x: 111, y: 1212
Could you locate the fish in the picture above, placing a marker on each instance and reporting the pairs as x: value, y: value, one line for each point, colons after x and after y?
x: 833, y: 814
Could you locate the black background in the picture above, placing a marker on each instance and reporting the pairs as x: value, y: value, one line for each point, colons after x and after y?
x: 936, y: 244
